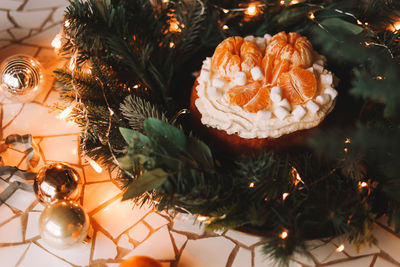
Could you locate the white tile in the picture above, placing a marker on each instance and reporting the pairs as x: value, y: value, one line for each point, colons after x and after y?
x: 4, y: 22
x: 3, y: 43
x: 262, y: 260
x: 20, y: 33
x: 243, y: 258
x: 3, y: 184
x: 112, y: 264
x: 16, y: 49
x: 65, y: 149
x: 123, y: 242
x: 5, y: 213
x: 12, y: 157
x: 155, y: 220
x: 217, y: 250
x: 104, y: 247
x: 186, y: 223
x: 58, y: 15
x: 179, y: 239
x: 381, y: 262
x: 21, y: 199
x: 32, y: 228
x: 10, y: 5
x: 157, y: 246
x: 97, y: 194
x: 15, y: 251
x: 388, y: 242
x: 49, y: 59
x: 327, y: 253
x: 53, y: 98
x: 11, y: 232
x: 38, y: 207
x: 45, y: 37
x: 10, y: 111
x: 243, y: 238
x: 303, y: 259
x: 37, y: 257
x: 36, y: 120
x: 352, y: 251
x: 30, y: 19
x: 45, y: 4
x: 122, y: 212
x: 364, y: 261
x: 93, y: 176
x: 78, y: 254
x: 139, y: 232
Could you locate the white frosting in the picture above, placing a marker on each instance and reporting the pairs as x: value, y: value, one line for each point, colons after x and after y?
x: 281, y: 118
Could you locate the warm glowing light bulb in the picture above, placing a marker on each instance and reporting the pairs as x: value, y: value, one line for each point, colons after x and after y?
x: 293, y: 2
x: 56, y: 43
x: 225, y: 27
x: 283, y: 235
x: 251, y: 10
x: 66, y: 23
x: 395, y: 27
x: 65, y: 113
x: 347, y: 141
x: 340, y: 248
x: 201, y: 218
x: 282, y: 2
x: 94, y: 165
x: 251, y: 185
x: 171, y: 45
x: 225, y: 10
x: 363, y: 184
x: 285, y: 195
x: 311, y: 15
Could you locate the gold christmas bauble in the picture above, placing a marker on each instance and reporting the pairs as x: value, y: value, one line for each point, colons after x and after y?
x: 63, y: 224
x: 140, y: 261
x: 57, y: 181
x: 20, y: 78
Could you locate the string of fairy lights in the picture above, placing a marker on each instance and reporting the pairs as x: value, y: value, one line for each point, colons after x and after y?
x: 250, y: 11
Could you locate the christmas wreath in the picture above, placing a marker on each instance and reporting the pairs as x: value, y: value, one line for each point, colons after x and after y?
x: 129, y: 81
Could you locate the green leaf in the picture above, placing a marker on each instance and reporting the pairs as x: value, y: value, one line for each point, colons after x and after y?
x: 339, y: 24
x: 128, y: 135
x: 161, y: 132
x: 200, y: 152
x: 126, y: 162
x: 131, y: 135
x: 148, y: 181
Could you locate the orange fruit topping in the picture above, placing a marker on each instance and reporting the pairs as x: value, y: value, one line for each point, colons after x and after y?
x: 298, y: 85
x: 241, y: 94
x: 293, y: 47
x: 226, y: 58
x: 250, y: 55
x: 260, y: 101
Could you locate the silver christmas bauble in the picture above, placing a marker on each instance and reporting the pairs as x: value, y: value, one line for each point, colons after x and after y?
x: 63, y: 224
x: 57, y: 181
x: 20, y: 78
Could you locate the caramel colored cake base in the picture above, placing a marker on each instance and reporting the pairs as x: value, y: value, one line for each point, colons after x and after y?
x: 236, y: 145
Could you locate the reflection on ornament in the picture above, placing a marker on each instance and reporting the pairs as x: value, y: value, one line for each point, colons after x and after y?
x: 57, y: 181
x: 140, y: 261
x: 20, y: 78
x: 63, y: 224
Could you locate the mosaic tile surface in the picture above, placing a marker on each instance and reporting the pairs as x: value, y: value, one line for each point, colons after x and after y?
x: 120, y: 230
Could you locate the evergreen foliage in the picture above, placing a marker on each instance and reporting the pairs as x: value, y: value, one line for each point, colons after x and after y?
x: 141, y: 59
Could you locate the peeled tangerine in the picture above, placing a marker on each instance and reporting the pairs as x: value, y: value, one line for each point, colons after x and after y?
x: 251, y: 97
x: 293, y: 47
x: 298, y: 85
x: 234, y: 54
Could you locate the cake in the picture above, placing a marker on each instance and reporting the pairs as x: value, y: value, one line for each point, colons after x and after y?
x: 262, y: 92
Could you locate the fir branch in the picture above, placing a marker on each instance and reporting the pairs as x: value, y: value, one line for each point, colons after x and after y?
x: 136, y: 110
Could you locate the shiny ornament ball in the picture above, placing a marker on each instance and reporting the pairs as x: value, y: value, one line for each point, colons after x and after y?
x: 63, y: 224
x: 20, y: 78
x: 57, y: 181
x: 140, y: 261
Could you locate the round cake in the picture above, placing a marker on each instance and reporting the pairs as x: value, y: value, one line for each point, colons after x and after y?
x: 262, y: 92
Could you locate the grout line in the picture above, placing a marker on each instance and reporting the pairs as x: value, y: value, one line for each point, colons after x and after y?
x: 23, y: 255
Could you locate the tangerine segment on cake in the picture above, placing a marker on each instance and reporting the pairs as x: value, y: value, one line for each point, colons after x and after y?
x: 263, y: 87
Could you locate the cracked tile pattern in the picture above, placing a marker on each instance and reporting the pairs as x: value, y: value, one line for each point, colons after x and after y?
x: 120, y: 229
